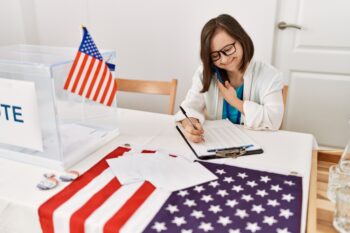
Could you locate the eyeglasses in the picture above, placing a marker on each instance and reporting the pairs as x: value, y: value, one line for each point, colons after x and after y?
x: 227, y: 51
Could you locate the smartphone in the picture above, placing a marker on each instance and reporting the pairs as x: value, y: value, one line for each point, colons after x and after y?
x: 218, y: 75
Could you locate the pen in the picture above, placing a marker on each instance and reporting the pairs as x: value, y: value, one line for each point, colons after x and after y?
x: 230, y: 148
x: 184, y: 112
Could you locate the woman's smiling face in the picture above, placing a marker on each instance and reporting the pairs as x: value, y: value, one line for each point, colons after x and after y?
x: 226, y: 52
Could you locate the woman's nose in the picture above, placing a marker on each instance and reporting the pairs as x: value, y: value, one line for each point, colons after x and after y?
x: 223, y: 58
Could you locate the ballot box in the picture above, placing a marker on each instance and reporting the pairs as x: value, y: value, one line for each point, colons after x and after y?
x: 40, y: 122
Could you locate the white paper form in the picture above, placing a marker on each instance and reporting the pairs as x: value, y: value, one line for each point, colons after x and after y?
x: 124, y: 170
x: 163, y: 171
x: 222, y: 134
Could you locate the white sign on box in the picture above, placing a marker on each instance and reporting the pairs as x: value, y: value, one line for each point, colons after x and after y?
x: 19, y: 118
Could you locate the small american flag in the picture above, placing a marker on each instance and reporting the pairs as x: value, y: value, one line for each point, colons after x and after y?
x: 90, y: 76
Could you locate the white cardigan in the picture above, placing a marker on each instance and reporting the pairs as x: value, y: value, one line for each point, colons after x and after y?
x: 263, y: 102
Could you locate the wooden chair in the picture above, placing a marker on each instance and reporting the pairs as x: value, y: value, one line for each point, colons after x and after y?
x: 285, y: 94
x: 150, y: 87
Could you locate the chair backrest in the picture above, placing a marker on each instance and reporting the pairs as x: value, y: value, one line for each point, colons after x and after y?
x: 285, y: 94
x: 150, y: 87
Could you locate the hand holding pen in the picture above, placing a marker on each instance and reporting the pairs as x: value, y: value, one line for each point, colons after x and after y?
x: 193, y: 129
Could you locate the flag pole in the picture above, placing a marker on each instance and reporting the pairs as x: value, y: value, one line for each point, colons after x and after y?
x: 83, y: 98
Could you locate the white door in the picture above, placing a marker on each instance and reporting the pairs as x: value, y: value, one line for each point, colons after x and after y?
x: 316, y: 63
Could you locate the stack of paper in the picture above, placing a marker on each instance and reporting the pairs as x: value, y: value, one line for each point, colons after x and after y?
x: 163, y: 171
x: 221, y: 135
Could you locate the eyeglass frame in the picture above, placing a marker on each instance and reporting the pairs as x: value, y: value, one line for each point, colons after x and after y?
x: 221, y: 51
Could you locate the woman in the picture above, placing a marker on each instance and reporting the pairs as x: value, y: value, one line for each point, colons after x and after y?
x: 250, y: 92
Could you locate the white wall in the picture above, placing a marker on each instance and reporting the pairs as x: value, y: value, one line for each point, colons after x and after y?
x: 11, y: 23
x: 156, y: 39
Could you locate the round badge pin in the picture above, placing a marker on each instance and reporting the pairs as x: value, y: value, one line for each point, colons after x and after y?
x: 49, y: 175
x: 69, y: 176
x: 47, y: 183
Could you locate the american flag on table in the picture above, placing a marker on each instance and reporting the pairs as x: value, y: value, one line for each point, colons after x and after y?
x: 241, y: 200
x: 90, y: 76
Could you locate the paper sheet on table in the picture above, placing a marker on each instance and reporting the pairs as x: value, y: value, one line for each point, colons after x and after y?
x: 221, y: 135
x: 163, y: 171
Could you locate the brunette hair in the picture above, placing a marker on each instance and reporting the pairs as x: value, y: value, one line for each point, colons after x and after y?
x: 234, y: 29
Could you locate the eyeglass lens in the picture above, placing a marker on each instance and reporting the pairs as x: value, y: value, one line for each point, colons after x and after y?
x: 227, y: 51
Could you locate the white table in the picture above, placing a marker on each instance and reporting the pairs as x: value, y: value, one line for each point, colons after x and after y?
x: 284, y: 152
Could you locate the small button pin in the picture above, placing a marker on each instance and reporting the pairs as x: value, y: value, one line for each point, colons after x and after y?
x: 47, y: 183
x: 69, y: 176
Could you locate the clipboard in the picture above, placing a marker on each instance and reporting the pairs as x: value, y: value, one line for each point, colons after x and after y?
x: 235, y: 142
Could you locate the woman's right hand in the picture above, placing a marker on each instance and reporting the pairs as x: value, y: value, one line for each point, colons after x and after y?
x: 194, y: 135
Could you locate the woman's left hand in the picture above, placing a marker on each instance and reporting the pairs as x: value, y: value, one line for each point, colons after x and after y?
x: 228, y: 92
x: 230, y: 95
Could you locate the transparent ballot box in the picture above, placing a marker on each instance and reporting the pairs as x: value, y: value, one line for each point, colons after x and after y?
x: 40, y: 122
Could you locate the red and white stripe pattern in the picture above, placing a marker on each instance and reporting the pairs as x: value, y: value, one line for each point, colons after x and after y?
x: 90, y: 76
x: 97, y: 203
